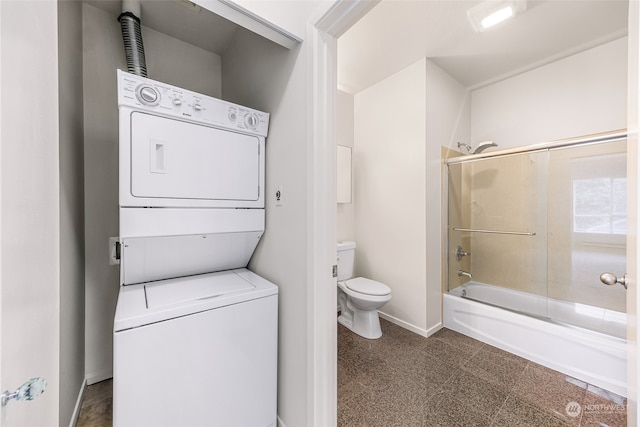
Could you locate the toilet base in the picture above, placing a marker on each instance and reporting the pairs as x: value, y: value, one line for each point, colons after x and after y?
x: 364, y: 323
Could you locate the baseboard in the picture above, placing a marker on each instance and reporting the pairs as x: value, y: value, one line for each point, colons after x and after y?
x: 413, y: 328
x: 97, y: 377
x: 280, y: 423
x: 432, y: 330
x: 76, y: 409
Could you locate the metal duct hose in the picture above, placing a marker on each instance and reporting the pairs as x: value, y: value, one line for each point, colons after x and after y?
x: 133, y: 48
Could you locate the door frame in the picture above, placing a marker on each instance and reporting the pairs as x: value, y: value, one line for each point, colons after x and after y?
x: 633, y: 208
x: 322, y: 35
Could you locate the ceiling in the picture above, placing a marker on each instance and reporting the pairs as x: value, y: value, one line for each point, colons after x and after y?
x: 181, y: 20
x: 397, y: 33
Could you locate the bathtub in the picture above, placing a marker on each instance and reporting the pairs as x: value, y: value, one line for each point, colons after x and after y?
x: 598, y: 358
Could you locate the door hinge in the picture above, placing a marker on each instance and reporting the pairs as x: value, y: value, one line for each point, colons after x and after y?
x: 335, y: 271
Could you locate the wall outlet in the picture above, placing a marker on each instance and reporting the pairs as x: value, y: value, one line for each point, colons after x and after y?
x: 278, y: 195
x: 114, y: 250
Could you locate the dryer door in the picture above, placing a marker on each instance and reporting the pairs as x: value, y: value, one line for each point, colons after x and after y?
x: 191, y: 163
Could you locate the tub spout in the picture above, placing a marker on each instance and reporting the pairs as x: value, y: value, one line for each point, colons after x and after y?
x: 464, y: 273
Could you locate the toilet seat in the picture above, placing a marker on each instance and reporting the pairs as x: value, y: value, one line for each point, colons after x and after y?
x: 367, y: 286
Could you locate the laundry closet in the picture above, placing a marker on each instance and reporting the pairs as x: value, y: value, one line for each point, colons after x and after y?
x: 60, y: 178
x: 189, y: 47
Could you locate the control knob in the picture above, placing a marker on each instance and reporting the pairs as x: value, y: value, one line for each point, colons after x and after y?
x: 251, y: 120
x: 148, y: 95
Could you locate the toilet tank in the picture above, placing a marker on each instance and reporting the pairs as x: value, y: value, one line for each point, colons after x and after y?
x: 346, y: 256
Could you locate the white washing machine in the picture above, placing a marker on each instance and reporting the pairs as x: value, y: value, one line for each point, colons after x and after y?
x: 195, y: 332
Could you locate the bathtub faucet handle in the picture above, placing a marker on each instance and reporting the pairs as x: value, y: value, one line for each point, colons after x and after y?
x: 461, y: 253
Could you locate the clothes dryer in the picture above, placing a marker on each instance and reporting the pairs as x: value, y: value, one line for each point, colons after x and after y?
x: 195, y: 332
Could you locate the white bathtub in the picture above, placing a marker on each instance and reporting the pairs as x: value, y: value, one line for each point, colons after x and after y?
x: 593, y: 357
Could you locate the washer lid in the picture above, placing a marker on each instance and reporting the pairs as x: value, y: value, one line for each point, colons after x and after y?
x: 148, y: 303
x: 193, y: 288
x: 367, y: 286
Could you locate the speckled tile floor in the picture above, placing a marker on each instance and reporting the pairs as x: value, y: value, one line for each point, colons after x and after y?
x: 448, y: 379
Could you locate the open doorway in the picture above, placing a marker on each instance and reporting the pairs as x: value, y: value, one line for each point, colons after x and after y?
x: 442, y: 60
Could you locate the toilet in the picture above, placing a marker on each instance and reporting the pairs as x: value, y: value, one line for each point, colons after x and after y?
x: 359, y: 298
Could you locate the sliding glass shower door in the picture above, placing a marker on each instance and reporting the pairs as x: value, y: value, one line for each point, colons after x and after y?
x: 533, y: 231
x: 587, y: 233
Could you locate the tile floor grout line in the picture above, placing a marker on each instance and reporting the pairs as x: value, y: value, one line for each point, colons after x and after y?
x: 498, y: 411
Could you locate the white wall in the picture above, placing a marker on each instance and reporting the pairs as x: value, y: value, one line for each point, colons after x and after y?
x: 168, y: 60
x: 401, y: 126
x: 71, y: 207
x: 579, y: 95
x: 29, y: 208
x: 344, y: 136
x: 390, y: 190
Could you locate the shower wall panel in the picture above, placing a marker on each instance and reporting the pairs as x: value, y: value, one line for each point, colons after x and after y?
x: 503, y: 201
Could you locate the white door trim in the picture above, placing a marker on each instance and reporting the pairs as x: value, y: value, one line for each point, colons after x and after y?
x: 322, y: 327
x: 322, y: 331
x: 633, y: 259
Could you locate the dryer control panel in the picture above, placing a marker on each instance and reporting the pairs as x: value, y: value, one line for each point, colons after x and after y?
x: 146, y: 94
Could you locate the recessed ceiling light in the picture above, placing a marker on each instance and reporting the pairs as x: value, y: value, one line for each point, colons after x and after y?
x: 492, y: 12
x: 497, y: 17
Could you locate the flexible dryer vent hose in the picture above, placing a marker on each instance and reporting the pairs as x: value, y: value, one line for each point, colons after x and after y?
x: 133, y: 48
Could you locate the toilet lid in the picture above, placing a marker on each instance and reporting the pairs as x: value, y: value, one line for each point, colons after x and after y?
x: 367, y: 286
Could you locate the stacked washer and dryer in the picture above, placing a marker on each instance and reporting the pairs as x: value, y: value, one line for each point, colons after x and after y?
x: 195, y: 332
